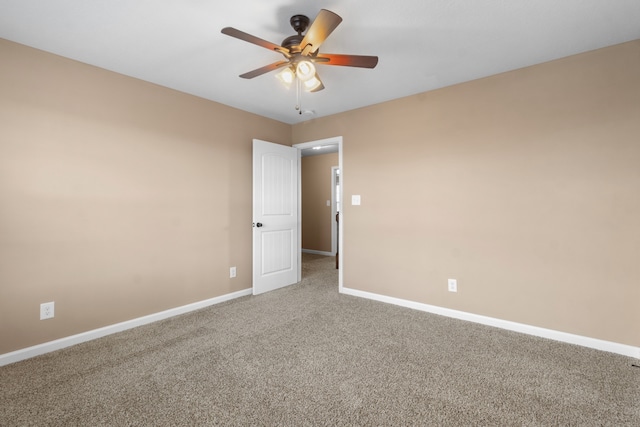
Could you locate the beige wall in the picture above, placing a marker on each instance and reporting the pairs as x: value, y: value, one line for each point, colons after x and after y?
x: 118, y: 198
x: 316, y: 190
x: 524, y: 186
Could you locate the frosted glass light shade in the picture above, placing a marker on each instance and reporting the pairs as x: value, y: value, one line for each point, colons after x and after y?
x: 305, y: 70
x: 286, y: 76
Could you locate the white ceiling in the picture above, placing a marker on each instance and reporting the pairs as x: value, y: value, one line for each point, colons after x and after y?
x: 422, y: 44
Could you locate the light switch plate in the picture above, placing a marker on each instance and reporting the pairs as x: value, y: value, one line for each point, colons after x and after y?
x: 355, y: 200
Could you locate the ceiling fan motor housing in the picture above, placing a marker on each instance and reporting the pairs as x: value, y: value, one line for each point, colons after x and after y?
x: 299, y: 24
x: 293, y: 43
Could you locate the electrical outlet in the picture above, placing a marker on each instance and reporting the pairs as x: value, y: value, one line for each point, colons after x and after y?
x: 232, y: 272
x: 47, y: 310
x: 453, y: 285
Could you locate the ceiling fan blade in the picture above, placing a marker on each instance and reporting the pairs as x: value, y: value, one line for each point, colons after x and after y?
x: 262, y: 70
x: 233, y: 32
x: 362, y: 61
x: 324, y: 24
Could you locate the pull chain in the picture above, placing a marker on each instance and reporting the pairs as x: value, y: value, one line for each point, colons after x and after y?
x: 299, y: 96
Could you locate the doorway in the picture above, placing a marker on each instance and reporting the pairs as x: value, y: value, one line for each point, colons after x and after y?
x: 328, y: 142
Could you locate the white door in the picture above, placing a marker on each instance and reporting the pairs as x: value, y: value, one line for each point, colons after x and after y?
x: 275, y: 216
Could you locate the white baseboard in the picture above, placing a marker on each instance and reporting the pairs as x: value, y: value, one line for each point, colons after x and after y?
x: 58, y: 344
x: 313, y: 251
x: 612, y: 347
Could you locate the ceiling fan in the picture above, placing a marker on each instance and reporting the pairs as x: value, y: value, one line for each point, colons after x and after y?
x: 301, y: 51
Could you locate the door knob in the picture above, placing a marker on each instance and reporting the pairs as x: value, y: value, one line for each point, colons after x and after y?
x: 259, y: 225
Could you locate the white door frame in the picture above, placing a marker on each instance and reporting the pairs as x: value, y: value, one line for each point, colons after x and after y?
x: 336, y: 140
x: 334, y: 210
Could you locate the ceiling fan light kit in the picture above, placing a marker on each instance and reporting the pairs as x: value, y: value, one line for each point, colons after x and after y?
x: 301, y: 52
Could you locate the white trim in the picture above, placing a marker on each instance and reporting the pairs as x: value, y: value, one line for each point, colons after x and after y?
x: 313, y: 251
x: 612, y: 347
x: 61, y: 343
x: 341, y: 222
x: 334, y: 210
x: 299, y: 251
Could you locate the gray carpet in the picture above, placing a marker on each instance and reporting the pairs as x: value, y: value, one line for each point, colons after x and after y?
x: 306, y: 355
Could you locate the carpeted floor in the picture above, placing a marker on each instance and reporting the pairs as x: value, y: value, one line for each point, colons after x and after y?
x: 306, y: 355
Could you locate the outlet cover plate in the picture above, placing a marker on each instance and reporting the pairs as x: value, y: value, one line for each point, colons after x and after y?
x: 453, y: 285
x: 47, y: 310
